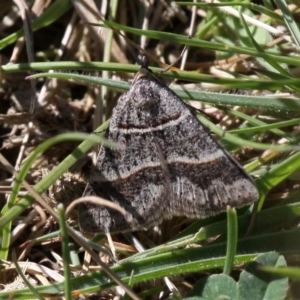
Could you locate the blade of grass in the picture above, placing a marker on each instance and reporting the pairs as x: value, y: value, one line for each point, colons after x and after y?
x: 176, y: 262
x: 289, y: 21
x: 65, y: 251
x: 275, y: 103
x: 232, y: 238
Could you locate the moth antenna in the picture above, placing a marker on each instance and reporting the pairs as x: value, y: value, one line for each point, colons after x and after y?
x: 179, y: 57
x: 145, y: 63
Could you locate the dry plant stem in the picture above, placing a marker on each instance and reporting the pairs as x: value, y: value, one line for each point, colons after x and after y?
x: 6, y: 189
x: 26, y: 24
x: 61, y: 50
x: 35, y: 269
x: 145, y: 25
x: 111, y: 245
x: 158, y: 13
x: 22, y: 149
x: 42, y: 216
x: 86, y: 262
x: 97, y: 201
x: 37, y: 10
x: 104, y: 7
x: 29, y: 43
x: 19, y: 229
x: 17, y: 50
x: 171, y: 286
x: 191, y: 32
x: 101, y: 93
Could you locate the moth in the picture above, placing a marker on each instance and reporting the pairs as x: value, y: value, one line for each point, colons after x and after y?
x: 166, y: 164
